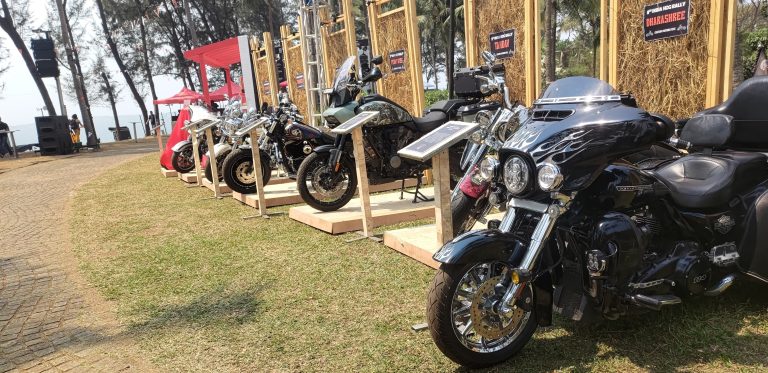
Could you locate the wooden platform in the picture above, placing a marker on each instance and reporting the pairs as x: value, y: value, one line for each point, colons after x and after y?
x: 283, y: 192
x: 420, y: 243
x: 189, y: 177
x: 386, y: 208
x: 223, y: 188
x: 168, y: 173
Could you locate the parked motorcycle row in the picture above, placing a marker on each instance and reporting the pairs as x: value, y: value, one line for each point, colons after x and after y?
x: 608, y: 210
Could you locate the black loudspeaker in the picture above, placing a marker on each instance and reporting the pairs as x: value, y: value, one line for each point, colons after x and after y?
x: 53, y: 135
x: 47, y: 68
x: 45, y: 58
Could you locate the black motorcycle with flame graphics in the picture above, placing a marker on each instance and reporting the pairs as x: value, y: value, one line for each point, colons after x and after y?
x: 591, y: 235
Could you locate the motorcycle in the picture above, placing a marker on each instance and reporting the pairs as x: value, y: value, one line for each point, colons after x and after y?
x: 182, y: 158
x: 327, y: 178
x: 474, y: 197
x: 286, y: 137
x: 229, y: 122
x: 591, y: 236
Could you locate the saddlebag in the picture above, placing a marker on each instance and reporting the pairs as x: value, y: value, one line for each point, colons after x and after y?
x: 753, y: 247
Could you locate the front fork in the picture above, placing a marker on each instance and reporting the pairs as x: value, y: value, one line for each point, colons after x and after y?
x: 522, y: 274
x: 334, y: 160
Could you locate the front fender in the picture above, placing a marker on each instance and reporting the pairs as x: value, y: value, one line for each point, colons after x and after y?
x: 177, y: 147
x: 481, y: 246
x: 218, y: 149
x: 323, y: 149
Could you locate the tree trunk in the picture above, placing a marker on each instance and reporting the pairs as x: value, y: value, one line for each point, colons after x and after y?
x: 87, y: 116
x: 190, y: 24
x: 147, y: 67
x: 6, y: 23
x: 550, y: 22
x: 79, y: 89
x: 119, y: 61
x: 111, y: 97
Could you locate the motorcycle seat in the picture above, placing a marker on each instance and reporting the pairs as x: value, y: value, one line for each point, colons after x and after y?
x: 430, y: 121
x: 448, y: 106
x: 702, y: 181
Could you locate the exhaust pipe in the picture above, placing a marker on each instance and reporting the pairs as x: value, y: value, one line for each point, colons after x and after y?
x: 722, y: 286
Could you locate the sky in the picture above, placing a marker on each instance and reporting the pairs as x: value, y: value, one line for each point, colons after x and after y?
x: 20, y: 101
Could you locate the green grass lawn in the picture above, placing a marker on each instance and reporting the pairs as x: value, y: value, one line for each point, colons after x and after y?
x: 202, y: 289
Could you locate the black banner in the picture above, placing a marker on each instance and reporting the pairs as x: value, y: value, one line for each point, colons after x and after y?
x: 502, y: 43
x: 397, y: 61
x: 300, y: 80
x: 267, y: 90
x: 666, y: 19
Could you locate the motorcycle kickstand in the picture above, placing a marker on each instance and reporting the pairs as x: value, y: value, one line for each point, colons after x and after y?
x: 418, y: 196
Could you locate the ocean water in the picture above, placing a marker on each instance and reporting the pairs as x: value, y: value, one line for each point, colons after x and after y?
x: 28, y: 132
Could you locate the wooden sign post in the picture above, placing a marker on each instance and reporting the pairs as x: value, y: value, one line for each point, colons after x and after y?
x: 191, y: 127
x: 253, y: 130
x: 208, y: 129
x: 435, y: 145
x: 355, y: 126
x: 159, y: 138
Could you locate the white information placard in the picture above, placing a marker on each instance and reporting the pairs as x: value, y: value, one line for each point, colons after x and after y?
x: 354, y: 122
x: 440, y: 138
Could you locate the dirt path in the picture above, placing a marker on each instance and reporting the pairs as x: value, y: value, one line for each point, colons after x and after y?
x: 50, y: 318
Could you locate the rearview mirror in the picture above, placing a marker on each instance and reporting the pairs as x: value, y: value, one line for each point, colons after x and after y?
x: 377, y: 60
x: 489, y: 57
x: 373, y: 76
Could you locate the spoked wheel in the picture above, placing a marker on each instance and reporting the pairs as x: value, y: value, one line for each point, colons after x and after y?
x: 321, y: 187
x: 237, y: 170
x: 464, y: 317
x: 182, y: 160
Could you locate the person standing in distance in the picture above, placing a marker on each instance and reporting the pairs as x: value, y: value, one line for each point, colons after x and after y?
x: 74, y: 128
x: 5, y: 148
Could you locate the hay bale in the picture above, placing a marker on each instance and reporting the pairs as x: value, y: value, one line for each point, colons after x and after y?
x: 499, y: 15
x: 296, y: 66
x: 262, y: 75
x: 335, y: 45
x: 392, y: 37
x: 667, y: 76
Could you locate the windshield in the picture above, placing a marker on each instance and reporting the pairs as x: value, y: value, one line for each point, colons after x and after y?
x: 343, y: 74
x: 578, y: 89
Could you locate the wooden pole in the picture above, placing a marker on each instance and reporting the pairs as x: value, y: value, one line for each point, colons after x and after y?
x: 470, y: 32
x: 362, y: 181
x: 530, y: 54
x: 349, y: 30
x: 414, y: 55
x: 196, y: 155
x: 443, y: 219
x: 613, y: 44
x: 254, y: 42
x: 714, y: 63
x: 257, y: 174
x: 536, y: 49
x: 159, y: 139
x: 729, y: 49
x: 212, y: 162
x: 604, y: 40
x: 285, y: 34
x: 271, y: 70
x: 373, y: 21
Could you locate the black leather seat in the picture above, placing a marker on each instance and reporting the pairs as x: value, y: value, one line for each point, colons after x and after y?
x: 748, y: 108
x: 702, y: 181
x: 429, y: 122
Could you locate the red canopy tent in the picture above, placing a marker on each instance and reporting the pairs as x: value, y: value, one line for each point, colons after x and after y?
x: 222, y: 54
x: 179, y: 98
x: 230, y: 89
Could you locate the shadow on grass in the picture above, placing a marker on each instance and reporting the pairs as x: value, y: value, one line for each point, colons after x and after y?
x: 726, y: 333
x: 219, y: 306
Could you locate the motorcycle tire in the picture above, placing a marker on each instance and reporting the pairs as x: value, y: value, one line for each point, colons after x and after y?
x: 238, y: 165
x: 440, y: 318
x: 183, y: 160
x: 462, y: 208
x: 219, y: 166
x: 312, y: 164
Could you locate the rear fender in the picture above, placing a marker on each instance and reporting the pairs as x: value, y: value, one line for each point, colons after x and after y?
x: 177, y: 147
x: 493, y: 245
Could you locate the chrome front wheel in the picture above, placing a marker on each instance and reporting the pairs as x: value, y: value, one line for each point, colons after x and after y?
x: 465, y: 321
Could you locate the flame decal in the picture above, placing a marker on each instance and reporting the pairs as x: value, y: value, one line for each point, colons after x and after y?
x: 563, y: 149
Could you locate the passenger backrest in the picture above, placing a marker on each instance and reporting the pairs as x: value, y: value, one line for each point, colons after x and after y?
x: 748, y: 105
x: 708, y: 131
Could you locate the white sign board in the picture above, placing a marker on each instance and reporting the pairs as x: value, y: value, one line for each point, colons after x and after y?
x: 440, y: 138
x: 354, y: 122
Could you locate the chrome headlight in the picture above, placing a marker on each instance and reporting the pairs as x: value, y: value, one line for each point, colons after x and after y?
x: 517, y: 175
x: 550, y: 177
x: 487, y: 168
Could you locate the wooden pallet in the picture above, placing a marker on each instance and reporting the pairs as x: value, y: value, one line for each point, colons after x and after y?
x: 168, y: 173
x: 386, y: 209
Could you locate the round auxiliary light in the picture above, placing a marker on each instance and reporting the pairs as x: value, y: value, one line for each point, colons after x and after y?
x: 477, y: 137
x: 550, y: 177
x: 516, y: 175
x: 488, y: 168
